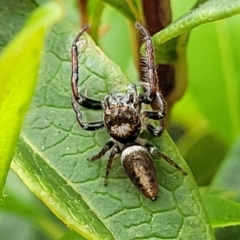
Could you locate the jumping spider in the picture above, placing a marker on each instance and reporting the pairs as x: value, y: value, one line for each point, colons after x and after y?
x: 122, y: 118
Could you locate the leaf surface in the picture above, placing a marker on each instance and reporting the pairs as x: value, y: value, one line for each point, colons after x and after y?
x: 52, y: 157
x: 221, y: 212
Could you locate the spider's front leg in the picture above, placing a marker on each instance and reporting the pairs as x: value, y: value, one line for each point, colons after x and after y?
x: 86, y: 126
x: 148, y: 70
x: 151, y: 93
x: 113, y: 153
x: 78, y: 98
x: 102, y: 152
x: 81, y: 99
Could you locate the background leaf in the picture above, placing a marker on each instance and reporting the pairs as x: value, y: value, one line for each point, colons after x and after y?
x: 208, y: 11
x: 127, y: 8
x: 218, y: 77
x: 221, y: 212
x: 29, y: 216
x: 227, y: 177
x: 17, y: 82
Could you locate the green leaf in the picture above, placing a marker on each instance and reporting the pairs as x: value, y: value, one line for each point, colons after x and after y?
x: 227, y: 233
x: 71, y: 235
x: 12, y: 13
x: 52, y: 154
x: 215, y: 85
x: 227, y: 180
x: 208, y: 11
x: 194, y: 147
x: 128, y: 8
x: 227, y: 177
x: 221, y: 212
x: 22, y: 207
x: 120, y: 51
x: 19, y: 63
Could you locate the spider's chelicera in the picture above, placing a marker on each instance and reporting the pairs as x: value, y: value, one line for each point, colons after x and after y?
x: 122, y: 118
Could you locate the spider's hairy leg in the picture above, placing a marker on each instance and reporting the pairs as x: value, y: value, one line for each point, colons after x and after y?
x: 148, y: 65
x: 81, y: 99
x: 114, y: 151
x: 155, y: 152
x: 151, y: 89
x: 103, y: 151
x: 86, y: 126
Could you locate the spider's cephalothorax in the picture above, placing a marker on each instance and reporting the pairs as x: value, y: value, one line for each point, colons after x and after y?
x: 121, y: 115
x: 122, y: 118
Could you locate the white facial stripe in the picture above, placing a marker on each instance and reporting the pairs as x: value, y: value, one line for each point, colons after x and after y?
x: 121, y: 130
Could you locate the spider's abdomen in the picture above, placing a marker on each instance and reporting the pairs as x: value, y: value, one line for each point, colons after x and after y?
x: 139, y: 167
x: 122, y: 123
